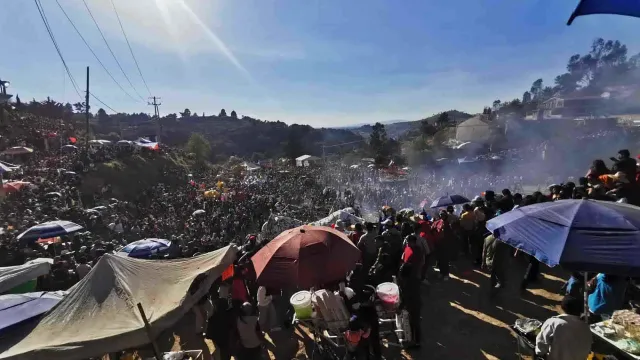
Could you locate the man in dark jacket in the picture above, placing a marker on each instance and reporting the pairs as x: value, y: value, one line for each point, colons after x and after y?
x: 626, y: 164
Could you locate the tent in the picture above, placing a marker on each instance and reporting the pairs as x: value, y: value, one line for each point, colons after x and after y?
x: 306, y: 160
x: 99, y: 315
x: 12, y: 276
x: 16, y: 308
x: 474, y: 130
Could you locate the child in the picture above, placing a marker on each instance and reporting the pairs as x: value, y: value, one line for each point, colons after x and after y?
x: 356, y: 337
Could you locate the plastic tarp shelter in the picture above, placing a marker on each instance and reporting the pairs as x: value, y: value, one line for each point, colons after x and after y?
x: 100, y: 315
x: 12, y: 276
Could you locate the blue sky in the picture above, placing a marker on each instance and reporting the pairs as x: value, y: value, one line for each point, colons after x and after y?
x: 317, y: 62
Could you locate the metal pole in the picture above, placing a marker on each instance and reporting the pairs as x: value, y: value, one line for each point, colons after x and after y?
x: 86, y: 111
x: 586, y: 297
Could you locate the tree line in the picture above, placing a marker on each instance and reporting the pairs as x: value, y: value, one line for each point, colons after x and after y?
x: 606, y: 64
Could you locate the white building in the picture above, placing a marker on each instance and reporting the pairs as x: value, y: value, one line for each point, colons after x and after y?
x: 475, y: 130
x: 306, y: 160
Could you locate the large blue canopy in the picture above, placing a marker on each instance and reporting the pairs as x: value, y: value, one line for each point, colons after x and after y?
x: 579, y: 235
x: 613, y: 7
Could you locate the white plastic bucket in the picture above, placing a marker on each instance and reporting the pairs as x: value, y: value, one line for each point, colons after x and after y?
x: 301, y: 302
x: 389, y: 293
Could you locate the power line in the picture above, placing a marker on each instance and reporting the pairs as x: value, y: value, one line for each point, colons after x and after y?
x: 102, y: 102
x: 129, y: 45
x: 111, y: 51
x: 93, y: 52
x: 43, y: 16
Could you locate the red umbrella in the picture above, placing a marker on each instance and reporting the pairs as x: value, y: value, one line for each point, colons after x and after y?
x: 305, y: 257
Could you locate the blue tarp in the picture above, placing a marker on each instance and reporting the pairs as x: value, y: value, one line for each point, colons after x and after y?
x: 613, y: 7
x: 579, y: 235
x: 17, y: 308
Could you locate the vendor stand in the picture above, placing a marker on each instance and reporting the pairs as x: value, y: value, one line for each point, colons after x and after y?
x: 312, y: 257
x: 619, y: 335
x: 580, y: 236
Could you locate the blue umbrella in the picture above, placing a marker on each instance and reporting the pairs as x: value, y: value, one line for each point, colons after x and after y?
x: 49, y: 229
x: 16, y: 308
x: 146, y: 247
x: 613, y: 7
x: 579, y: 235
x: 449, y: 200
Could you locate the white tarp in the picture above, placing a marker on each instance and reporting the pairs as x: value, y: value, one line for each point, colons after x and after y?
x: 12, y: 276
x: 99, y: 315
x: 346, y: 215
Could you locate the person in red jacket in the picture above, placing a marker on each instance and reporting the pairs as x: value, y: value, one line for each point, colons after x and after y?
x: 444, y: 237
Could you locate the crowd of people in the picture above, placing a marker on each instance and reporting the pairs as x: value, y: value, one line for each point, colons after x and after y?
x: 396, y: 244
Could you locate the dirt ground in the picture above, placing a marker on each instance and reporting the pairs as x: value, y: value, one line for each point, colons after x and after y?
x: 460, y: 320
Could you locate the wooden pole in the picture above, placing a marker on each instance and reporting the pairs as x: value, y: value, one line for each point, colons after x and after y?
x: 147, y: 326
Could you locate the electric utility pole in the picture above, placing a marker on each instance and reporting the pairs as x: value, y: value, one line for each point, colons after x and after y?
x: 155, y: 105
x: 86, y: 111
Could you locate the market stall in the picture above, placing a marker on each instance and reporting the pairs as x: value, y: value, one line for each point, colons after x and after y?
x: 586, y: 236
x: 314, y: 259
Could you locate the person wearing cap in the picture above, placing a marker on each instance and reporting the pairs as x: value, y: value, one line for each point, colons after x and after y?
x: 566, y: 336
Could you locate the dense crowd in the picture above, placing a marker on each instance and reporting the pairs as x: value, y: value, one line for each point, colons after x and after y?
x: 395, y: 243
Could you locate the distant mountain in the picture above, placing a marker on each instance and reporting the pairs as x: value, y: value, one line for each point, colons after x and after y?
x: 397, y: 128
x: 356, y: 126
